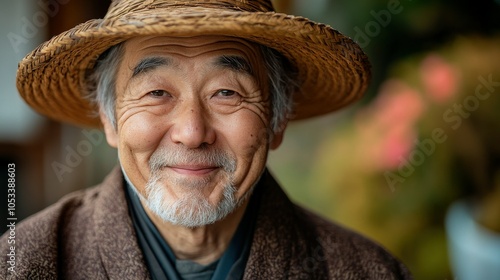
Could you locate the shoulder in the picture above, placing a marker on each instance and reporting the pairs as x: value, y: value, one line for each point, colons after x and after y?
x: 39, y: 240
x: 348, y: 253
x: 310, y: 246
x: 33, y: 243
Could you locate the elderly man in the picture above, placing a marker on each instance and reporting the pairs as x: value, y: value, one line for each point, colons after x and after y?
x: 193, y: 94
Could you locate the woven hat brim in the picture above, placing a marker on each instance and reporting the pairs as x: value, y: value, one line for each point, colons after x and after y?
x: 332, y: 70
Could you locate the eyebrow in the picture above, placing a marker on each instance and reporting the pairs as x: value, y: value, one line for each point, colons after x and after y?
x: 234, y: 62
x: 150, y: 63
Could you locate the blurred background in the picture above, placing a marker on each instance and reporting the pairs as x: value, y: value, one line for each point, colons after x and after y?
x: 415, y: 165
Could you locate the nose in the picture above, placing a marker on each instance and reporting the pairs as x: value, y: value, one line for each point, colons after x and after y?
x: 191, y: 127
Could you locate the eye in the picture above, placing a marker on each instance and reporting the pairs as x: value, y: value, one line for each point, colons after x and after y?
x: 226, y: 93
x: 158, y: 93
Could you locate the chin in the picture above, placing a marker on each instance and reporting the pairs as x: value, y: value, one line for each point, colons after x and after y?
x: 193, y: 209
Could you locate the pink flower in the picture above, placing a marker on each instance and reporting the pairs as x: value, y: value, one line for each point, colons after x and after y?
x: 440, y: 79
x: 388, y: 125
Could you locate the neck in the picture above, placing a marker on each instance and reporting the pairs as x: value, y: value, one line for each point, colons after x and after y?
x: 204, y: 244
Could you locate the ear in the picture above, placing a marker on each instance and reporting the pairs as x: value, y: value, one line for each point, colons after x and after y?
x: 109, y: 130
x: 278, y: 137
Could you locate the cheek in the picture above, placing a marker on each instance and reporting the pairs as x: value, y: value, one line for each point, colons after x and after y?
x: 248, y: 141
x: 247, y: 135
x: 141, y: 133
x: 248, y: 127
x: 139, y: 137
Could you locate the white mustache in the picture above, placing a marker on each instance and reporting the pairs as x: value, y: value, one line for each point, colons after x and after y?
x: 208, y: 156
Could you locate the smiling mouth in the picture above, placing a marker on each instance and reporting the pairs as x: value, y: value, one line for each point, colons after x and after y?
x: 193, y: 170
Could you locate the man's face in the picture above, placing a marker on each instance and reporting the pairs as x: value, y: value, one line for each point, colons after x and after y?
x: 192, y: 119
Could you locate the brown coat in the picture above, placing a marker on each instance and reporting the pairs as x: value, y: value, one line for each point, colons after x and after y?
x: 89, y: 235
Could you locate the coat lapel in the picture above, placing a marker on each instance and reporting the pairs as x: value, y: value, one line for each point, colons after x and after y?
x: 283, y: 240
x: 118, y: 247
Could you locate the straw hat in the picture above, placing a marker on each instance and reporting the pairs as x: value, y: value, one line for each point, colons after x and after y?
x: 332, y: 70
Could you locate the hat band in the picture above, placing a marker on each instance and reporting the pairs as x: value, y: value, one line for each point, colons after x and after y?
x: 124, y: 7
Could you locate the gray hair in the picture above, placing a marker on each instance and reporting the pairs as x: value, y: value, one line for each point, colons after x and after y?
x: 281, y: 80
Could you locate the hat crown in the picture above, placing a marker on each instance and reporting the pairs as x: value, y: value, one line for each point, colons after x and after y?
x: 122, y: 7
